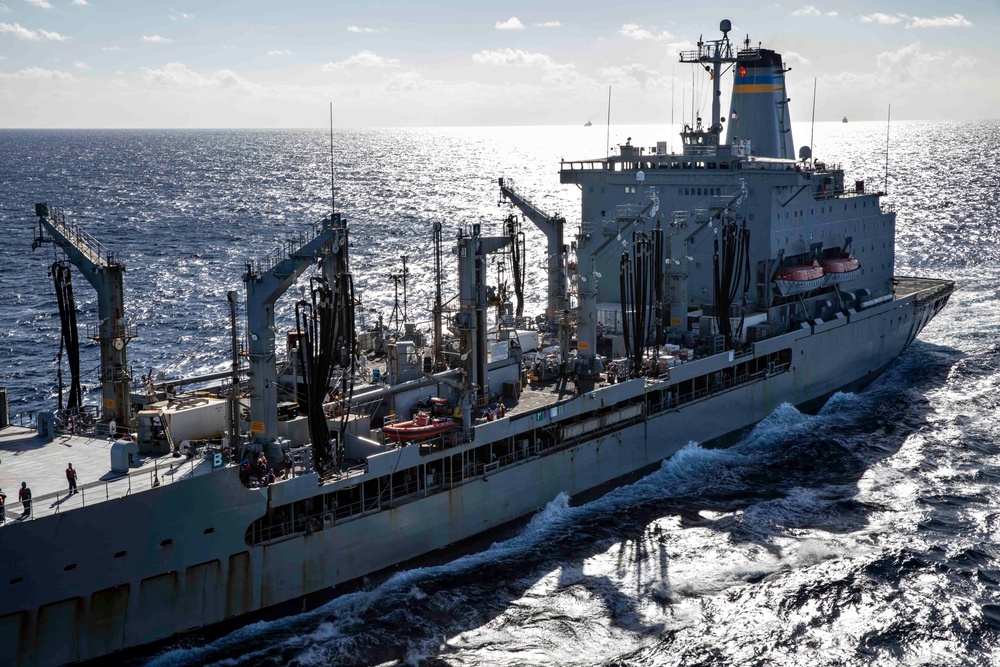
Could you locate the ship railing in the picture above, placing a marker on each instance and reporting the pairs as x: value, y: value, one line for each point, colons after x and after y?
x: 397, y: 494
x: 79, y: 237
x: 821, y: 167
x: 92, y: 493
x: 671, y: 402
x: 125, y: 330
x: 286, y: 248
x: 450, y: 478
x: 475, y: 469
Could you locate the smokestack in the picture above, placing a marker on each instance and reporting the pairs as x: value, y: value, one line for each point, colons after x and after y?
x: 759, y: 108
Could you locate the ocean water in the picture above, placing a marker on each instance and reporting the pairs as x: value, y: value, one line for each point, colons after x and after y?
x: 866, y: 534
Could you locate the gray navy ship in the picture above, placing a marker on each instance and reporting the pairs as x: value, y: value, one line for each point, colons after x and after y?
x: 702, y: 289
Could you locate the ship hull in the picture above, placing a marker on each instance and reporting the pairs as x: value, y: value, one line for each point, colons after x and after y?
x: 185, y: 570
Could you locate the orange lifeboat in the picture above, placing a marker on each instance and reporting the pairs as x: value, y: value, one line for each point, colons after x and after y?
x: 421, y: 427
x: 840, y: 269
x: 798, y: 279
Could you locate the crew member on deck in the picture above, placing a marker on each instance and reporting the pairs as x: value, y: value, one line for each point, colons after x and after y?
x: 24, y: 495
x: 71, y: 478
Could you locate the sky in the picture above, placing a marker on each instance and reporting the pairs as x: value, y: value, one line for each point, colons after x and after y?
x: 385, y: 63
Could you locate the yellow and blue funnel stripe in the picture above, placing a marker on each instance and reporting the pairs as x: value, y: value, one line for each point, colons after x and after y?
x: 754, y: 82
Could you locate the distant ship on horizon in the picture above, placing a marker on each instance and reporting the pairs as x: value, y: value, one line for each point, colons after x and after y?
x: 845, y: 120
x: 587, y: 124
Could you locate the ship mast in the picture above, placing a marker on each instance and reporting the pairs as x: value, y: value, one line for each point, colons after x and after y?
x: 713, y: 54
x: 438, y: 303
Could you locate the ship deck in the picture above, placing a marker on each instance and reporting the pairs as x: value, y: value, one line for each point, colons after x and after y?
x: 27, y: 457
x: 906, y: 285
x: 537, y: 395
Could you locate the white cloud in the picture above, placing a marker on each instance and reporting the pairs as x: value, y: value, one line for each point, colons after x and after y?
x: 37, y: 73
x: 953, y: 21
x: 553, y: 73
x: 112, y: 48
x: 179, y: 16
x: 360, y: 29
x: 909, y: 63
x: 515, y: 57
x: 405, y: 82
x: 156, y: 39
x: 362, y: 59
x: 794, y: 57
x: 513, y: 23
x: 638, y: 33
x: 4, y: 8
x: 79, y: 3
x: 178, y: 74
x: 964, y: 63
x: 547, y: 24
x: 43, y: 4
x: 636, y: 73
x: 883, y: 19
x: 809, y: 10
x: 279, y: 52
x: 20, y: 32
x: 79, y: 64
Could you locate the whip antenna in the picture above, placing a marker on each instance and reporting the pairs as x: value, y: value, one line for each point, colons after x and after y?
x: 672, y: 97
x: 888, y: 115
x: 812, y: 129
x: 333, y: 183
x: 607, y: 140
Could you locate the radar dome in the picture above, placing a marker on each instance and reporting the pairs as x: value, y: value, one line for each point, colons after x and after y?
x: 805, y: 153
x: 725, y: 26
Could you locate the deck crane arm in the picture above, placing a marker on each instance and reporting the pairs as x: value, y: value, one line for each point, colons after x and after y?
x: 106, y: 274
x: 553, y: 227
x: 266, y: 280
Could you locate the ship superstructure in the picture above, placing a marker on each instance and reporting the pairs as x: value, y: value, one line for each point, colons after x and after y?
x: 744, y: 204
x: 701, y: 290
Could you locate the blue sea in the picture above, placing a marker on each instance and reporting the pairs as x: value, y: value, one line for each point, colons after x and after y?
x: 866, y: 534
